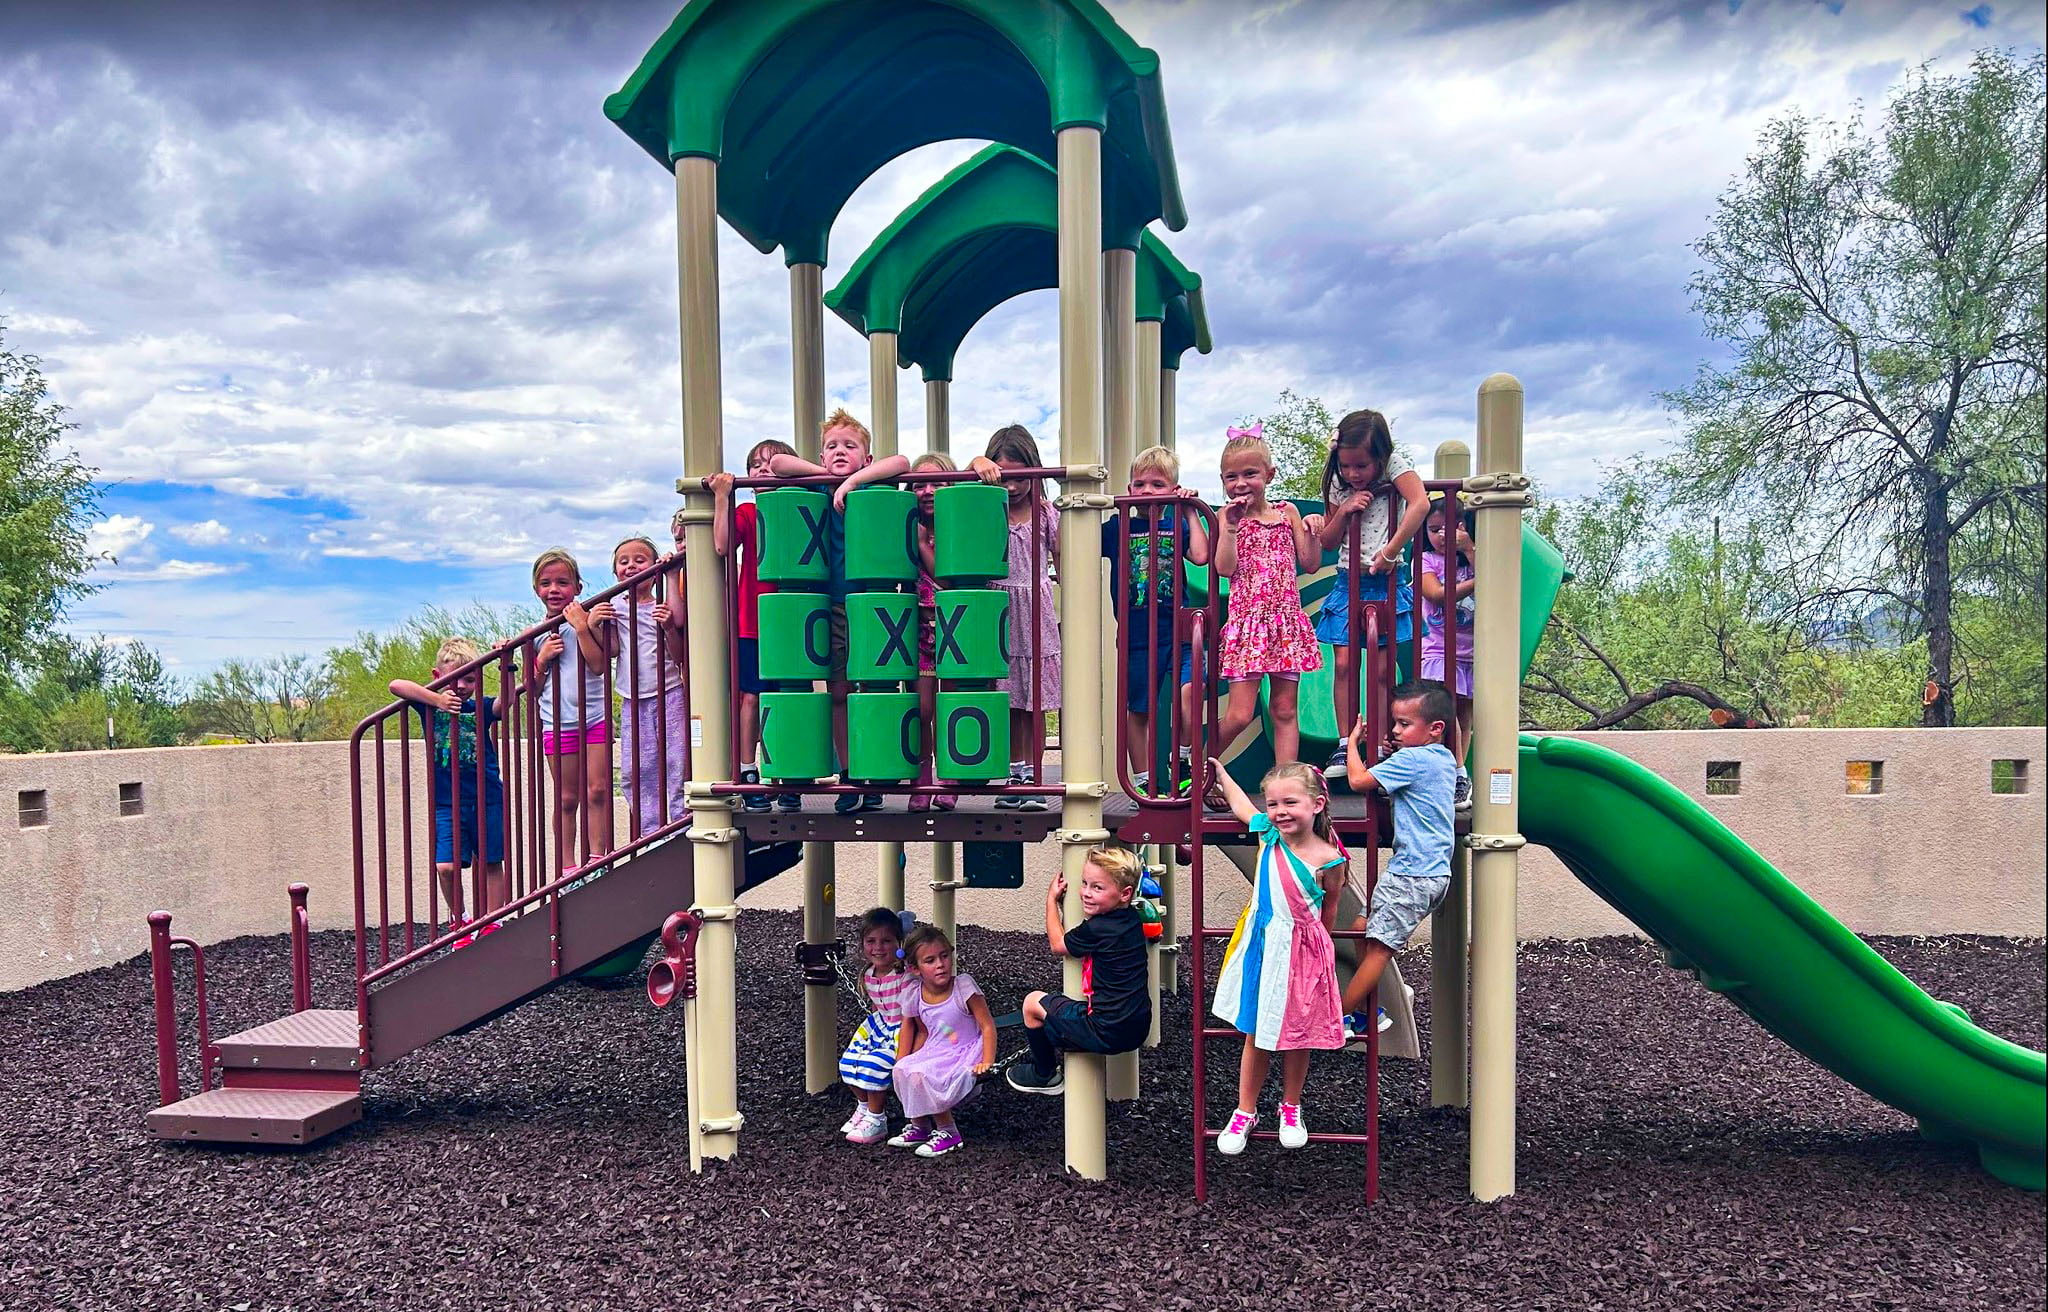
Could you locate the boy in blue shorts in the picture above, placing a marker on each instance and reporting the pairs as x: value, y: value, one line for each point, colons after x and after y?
x: 459, y: 720
x: 1419, y: 779
x: 1160, y: 660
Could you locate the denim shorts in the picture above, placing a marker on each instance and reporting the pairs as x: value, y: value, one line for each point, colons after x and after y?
x: 493, y: 831
x: 749, y: 670
x: 1333, y: 622
x: 1399, y: 902
x: 1155, y: 666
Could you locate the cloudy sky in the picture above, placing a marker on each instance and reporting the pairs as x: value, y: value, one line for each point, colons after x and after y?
x: 358, y: 305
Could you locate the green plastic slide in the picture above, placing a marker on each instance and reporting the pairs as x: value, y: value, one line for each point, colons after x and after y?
x: 1725, y: 914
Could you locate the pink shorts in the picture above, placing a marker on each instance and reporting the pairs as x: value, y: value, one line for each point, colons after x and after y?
x: 567, y: 742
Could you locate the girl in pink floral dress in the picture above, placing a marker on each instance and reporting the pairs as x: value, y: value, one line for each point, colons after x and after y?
x: 1262, y: 546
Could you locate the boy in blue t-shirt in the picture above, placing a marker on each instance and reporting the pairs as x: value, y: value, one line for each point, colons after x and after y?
x: 459, y: 719
x: 1419, y: 780
x: 1146, y: 600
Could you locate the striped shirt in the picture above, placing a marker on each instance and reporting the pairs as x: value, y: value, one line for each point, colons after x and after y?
x: 889, y: 993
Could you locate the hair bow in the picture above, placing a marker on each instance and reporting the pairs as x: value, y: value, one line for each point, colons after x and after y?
x: 1257, y: 430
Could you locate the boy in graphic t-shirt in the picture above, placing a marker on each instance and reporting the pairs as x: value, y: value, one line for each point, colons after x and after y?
x: 1114, y: 1013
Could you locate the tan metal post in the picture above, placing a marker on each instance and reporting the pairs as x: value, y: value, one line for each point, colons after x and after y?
x: 882, y: 396
x: 1161, y: 391
x: 807, y: 387
x: 715, y: 1120
x: 1120, y: 408
x: 938, y: 436
x: 1449, y: 935
x: 1081, y: 507
x: 1498, y: 494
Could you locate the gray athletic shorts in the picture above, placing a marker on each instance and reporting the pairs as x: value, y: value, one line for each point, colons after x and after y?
x: 1398, y: 905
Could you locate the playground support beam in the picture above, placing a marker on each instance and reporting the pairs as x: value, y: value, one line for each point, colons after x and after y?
x: 1169, y: 418
x: 1497, y: 494
x: 1081, y: 756
x: 882, y: 397
x: 1120, y: 433
x: 715, y: 1119
x: 1449, y: 936
x: 1152, y: 431
x: 938, y: 436
x: 807, y: 387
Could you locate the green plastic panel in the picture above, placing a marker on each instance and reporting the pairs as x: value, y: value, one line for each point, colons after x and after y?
x: 973, y: 732
x: 884, y: 736
x: 796, y: 735
x: 982, y: 234
x: 802, y: 100
x: 971, y: 633
x: 793, y: 528
x: 881, y: 637
x: 881, y: 540
x: 971, y: 533
x: 796, y: 636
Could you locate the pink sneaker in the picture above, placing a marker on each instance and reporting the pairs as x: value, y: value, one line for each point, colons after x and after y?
x: 457, y: 923
x: 873, y: 1128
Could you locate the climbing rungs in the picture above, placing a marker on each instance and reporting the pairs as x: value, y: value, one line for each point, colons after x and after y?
x: 266, y: 1116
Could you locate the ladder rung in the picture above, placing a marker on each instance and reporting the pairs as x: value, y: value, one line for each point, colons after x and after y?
x: 1314, y: 1136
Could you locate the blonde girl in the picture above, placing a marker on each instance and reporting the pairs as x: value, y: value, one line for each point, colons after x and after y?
x: 1262, y: 546
x: 1278, y: 984
x: 566, y: 674
x: 646, y: 642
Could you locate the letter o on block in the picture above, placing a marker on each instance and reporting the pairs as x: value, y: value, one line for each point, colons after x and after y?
x: 973, y: 736
x: 796, y: 637
x: 884, y: 736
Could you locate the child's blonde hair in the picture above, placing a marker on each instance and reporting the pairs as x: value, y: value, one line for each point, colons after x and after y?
x: 556, y: 556
x: 1158, y: 459
x: 646, y: 542
x: 1118, y: 862
x: 935, y: 460
x: 921, y: 938
x: 1302, y: 773
x: 454, y: 652
x: 840, y: 418
x: 1242, y: 444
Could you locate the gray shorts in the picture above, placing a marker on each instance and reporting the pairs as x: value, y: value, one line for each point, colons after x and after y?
x: 1398, y: 905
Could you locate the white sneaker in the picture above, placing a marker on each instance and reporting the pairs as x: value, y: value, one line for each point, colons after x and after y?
x: 872, y: 1127
x: 860, y: 1111
x: 1231, y: 1142
x: 1293, y: 1129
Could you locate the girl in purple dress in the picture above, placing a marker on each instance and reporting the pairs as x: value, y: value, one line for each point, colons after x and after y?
x: 1034, y: 559
x: 948, y: 1038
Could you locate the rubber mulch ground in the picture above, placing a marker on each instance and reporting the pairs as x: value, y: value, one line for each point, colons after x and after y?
x: 1672, y: 1155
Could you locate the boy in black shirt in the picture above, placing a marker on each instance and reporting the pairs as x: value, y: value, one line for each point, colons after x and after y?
x: 1115, y: 1011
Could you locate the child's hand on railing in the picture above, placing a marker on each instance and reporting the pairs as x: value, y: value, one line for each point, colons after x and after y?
x: 667, y: 616
x: 447, y: 699
x: 602, y: 613
x: 550, y: 651
x: 719, y: 484
x: 988, y: 471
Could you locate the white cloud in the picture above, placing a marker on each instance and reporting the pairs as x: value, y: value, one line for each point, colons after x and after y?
x: 117, y: 536
x: 178, y: 571
x: 205, y: 533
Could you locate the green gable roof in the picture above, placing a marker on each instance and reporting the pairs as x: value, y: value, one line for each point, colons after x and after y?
x: 801, y: 101
x: 982, y: 234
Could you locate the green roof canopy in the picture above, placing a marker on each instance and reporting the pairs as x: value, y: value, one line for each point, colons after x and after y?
x: 982, y: 234
x: 801, y: 101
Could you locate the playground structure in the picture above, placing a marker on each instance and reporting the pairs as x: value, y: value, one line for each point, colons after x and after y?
x: 769, y: 113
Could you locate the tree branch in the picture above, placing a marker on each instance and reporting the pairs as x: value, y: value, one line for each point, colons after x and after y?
x: 1723, y: 714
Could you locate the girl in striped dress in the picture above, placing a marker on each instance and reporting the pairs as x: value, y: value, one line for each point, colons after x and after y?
x: 870, y: 1060
x: 1278, y: 984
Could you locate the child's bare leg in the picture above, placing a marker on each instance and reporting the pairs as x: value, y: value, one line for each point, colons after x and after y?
x: 597, y: 795
x: 1022, y: 726
x: 1251, y: 1076
x: 943, y: 1121
x: 1293, y: 1075
x: 451, y: 888
x: 497, y: 887
x: 1137, y: 728
x: 1343, y: 664
x: 1372, y: 963
x: 750, y: 727
x: 1464, y: 743
x: 839, y: 688
x: 875, y: 1099
x: 1238, y: 713
x: 567, y: 768
x: 1285, y: 710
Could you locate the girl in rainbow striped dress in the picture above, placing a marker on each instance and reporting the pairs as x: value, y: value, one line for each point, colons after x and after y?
x: 1278, y: 984
x: 869, y: 1062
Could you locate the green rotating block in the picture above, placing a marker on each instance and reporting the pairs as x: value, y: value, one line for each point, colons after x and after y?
x: 881, y: 535
x: 793, y: 531
x: 971, y: 532
x: 881, y: 637
x: 796, y: 735
x: 884, y: 736
x: 973, y: 734
x: 796, y: 636
x: 971, y: 633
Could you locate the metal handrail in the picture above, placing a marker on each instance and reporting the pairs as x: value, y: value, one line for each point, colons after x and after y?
x: 163, y: 987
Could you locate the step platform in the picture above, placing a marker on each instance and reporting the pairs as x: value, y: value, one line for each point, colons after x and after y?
x: 318, y: 1039
x: 287, y: 1117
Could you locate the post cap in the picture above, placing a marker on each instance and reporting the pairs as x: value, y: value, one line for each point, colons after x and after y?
x: 1500, y: 383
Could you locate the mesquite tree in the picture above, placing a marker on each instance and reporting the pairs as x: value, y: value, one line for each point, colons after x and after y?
x: 1882, y: 296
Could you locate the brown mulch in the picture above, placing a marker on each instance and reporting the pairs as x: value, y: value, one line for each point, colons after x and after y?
x: 1672, y: 1155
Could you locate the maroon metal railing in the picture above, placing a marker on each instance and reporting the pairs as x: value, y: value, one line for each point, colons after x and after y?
x: 163, y: 986
x: 525, y: 816
x: 302, y: 950
x: 1160, y: 793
